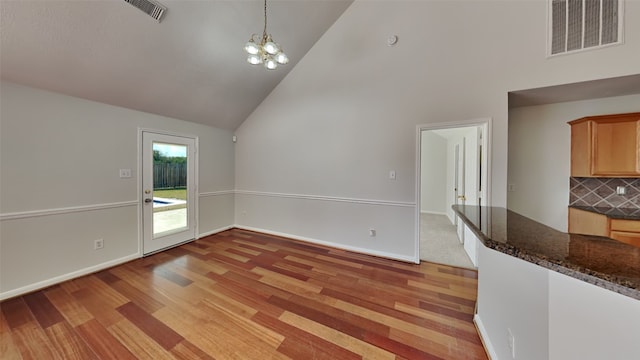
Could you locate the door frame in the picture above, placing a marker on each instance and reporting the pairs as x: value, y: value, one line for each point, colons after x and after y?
x: 140, y: 184
x: 486, y: 123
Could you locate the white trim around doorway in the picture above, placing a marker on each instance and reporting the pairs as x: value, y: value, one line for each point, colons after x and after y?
x: 487, y: 137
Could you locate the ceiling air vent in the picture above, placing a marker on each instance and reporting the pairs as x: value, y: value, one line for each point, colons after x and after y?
x: 584, y: 24
x: 151, y: 8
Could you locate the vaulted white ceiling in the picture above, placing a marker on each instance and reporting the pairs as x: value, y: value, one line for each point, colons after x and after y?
x: 190, y: 66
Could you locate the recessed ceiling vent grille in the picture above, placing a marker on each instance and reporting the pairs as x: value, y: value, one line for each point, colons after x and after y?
x: 584, y: 24
x: 151, y: 8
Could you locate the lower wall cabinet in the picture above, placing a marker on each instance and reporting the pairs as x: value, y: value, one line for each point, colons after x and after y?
x: 590, y: 223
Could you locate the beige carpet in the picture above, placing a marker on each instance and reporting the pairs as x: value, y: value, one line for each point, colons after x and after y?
x: 439, y: 242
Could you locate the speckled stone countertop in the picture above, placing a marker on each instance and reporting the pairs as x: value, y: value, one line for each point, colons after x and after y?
x: 600, y: 261
x: 613, y: 213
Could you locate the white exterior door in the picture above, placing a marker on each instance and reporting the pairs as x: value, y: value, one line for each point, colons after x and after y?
x: 169, y: 189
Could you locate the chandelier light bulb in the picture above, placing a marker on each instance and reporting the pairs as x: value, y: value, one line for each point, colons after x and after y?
x: 251, y: 47
x: 254, y: 59
x: 271, y: 47
x: 282, y: 58
x: 271, y: 64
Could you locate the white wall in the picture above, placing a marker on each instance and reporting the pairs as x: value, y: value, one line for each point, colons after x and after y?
x: 60, y: 186
x: 540, y: 155
x: 551, y: 315
x: 512, y: 294
x: 318, y: 217
x: 587, y: 322
x: 347, y: 113
x: 434, y: 173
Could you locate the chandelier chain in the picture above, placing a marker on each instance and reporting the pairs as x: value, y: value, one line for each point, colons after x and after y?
x: 264, y: 32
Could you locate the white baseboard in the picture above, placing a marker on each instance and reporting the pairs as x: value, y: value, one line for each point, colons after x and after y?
x: 334, y: 245
x: 433, y: 212
x: 72, y: 275
x: 213, y: 232
x: 484, y: 337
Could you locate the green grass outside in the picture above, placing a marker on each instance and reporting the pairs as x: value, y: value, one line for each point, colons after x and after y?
x: 171, y: 194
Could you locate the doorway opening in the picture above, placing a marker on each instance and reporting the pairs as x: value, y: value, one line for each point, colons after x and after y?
x: 453, y: 165
x: 169, y: 168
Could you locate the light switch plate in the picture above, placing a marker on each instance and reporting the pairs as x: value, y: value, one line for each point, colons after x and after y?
x: 125, y: 173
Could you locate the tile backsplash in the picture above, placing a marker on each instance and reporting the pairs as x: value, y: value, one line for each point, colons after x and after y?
x: 601, y: 192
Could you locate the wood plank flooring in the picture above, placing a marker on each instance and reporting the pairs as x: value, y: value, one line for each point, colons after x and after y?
x: 246, y: 295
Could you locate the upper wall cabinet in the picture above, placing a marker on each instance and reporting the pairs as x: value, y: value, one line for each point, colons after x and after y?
x: 606, y: 146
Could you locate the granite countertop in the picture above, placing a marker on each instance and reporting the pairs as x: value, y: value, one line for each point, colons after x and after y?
x: 613, y: 213
x: 597, y: 260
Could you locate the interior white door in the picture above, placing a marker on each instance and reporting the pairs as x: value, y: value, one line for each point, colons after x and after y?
x: 169, y: 190
x: 459, y: 178
x: 471, y: 168
x: 461, y: 173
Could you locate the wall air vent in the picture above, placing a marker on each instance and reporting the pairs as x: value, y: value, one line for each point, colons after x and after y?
x: 151, y: 8
x: 584, y: 24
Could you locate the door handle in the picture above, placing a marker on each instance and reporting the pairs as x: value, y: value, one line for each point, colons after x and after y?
x: 148, y: 200
x: 462, y: 197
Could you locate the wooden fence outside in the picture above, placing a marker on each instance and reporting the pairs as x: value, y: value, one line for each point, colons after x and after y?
x: 169, y: 175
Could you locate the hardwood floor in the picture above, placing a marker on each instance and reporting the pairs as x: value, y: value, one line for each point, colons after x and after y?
x: 245, y: 295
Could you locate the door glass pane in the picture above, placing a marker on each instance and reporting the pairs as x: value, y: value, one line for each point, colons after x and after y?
x: 169, y: 188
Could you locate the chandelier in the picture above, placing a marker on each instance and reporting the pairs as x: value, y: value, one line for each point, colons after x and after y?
x: 266, y: 51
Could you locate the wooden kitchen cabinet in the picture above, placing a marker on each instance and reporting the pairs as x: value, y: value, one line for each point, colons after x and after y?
x: 626, y: 237
x: 627, y: 231
x: 606, y: 146
x: 590, y: 223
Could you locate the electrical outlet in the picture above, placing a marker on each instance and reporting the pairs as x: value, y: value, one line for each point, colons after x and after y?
x: 511, y: 187
x: 372, y: 232
x: 98, y: 244
x: 512, y: 343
